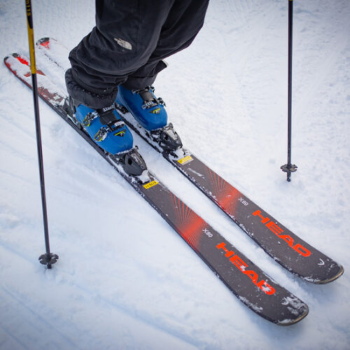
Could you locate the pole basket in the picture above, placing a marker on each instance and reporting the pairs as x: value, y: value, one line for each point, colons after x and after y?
x: 289, y: 169
x: 48, y: 259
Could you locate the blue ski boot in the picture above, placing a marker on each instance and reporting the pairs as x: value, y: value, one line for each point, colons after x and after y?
x: 109, y: 132
x: 144, y: 106
x: 106, y: 128
x: 149, y: 112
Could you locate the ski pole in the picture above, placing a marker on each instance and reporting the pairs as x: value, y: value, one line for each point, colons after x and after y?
x: 48, y: 258
x: 290, y: 168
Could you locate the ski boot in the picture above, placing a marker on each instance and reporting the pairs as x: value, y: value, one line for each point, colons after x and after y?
x: 149, y: 112
x: 109, y: 132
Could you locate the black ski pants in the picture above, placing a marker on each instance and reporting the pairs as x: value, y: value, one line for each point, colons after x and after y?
x: 128, y: 45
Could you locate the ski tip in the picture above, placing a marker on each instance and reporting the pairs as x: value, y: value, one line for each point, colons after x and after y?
x: 7, y: 59
x: 290, y: 322
x: 23, y: 60
x: 332, y: 278
x: 286, y: 310
x: 44, y: 42
x: 10, y: 55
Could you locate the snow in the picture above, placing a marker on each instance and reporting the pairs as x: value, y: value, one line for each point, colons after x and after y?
x: 125, y: 280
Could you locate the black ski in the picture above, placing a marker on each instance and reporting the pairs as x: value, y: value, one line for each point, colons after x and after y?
x: 285, y: 247
x: 247, y: 281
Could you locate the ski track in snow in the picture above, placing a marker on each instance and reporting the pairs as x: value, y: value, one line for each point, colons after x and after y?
x: 125, y: 280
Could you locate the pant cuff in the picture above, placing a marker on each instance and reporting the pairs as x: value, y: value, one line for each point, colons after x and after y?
x: 92, y: 99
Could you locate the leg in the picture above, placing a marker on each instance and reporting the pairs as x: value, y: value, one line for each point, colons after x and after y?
x: 182, y: 25
x: 125, y: 36
x: 128, y: 44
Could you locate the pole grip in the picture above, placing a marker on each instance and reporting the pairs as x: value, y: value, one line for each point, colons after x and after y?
x: 31, y: 36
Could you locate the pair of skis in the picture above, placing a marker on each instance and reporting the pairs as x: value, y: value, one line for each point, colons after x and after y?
x: 246, y: 280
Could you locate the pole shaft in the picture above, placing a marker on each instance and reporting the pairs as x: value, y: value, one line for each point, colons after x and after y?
x: 290, y: 69
x: 37, y: 121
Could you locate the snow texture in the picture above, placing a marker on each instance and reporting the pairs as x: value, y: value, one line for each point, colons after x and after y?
x: 125, y: 280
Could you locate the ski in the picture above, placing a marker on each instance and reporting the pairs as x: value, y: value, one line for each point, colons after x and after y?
x: 284, y: 246
x: 247, y: 281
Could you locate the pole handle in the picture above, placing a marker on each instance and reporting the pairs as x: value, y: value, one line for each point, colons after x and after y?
x: 31, y: 36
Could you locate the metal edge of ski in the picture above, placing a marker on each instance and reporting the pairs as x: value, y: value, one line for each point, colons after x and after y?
x: 247, y: 281
x: 285, y: 247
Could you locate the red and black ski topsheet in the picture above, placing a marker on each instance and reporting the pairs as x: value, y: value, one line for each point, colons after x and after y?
x: 285, y: 247
x: 247, y: 281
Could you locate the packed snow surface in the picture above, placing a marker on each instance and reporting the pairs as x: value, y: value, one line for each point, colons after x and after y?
x: 125, y: 279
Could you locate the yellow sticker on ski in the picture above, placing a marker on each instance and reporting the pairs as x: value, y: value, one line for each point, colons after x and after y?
x: 150, y: 184
x: 185, y: 160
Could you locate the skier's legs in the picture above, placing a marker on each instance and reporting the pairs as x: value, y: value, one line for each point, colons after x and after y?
x: 125, y: 36
x: 182, y: 25
x: 128, y: 44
